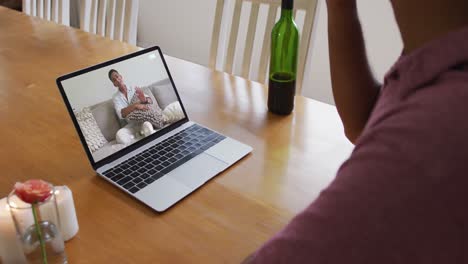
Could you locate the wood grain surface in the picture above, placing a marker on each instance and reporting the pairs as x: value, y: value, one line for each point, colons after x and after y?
x: 294, y: 157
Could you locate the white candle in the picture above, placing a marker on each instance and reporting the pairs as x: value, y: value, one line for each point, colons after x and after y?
x: 10, y: 246
x: 67, y: 214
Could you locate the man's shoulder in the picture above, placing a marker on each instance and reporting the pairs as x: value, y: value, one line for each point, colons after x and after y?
x: 436, y: 101
x: 451, y: 85
x: 425, y: 124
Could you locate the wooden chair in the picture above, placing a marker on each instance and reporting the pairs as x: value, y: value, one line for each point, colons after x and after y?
x: 52, y: 10
x: 308, y: 6
x: 115, y: 19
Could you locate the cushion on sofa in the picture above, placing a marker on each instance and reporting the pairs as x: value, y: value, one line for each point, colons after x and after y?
x: 106, y: 119
x: 173, y: 112
x: 155, y: 105
x: 152, y: 115
x: 90, y: 129
x: 163, y: 92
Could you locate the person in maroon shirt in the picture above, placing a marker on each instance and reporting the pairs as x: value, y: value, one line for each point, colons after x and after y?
x: 402, y: 196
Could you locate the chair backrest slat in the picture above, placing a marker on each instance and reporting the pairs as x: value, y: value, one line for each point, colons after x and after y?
x: 101, y: 18
x: 55, y: 11
x: 60, y: 8
x: 33, y: 7
x: 216, y: 33
x: 233, y: 36
x: 119, y: 18
x: 249, y: 42
x: 47, y: 9
x: 264, y: 58
x: 26, y: 4
x: 304, y: 44
x: 247, y: 58
x: 93, y: 16
x: 40, y: 9
x: 85, y: 14
x: 52, y: 10
x: 130, y: 21
x: 64, y: 17
x: 115, y: 19
x: 110, y: 20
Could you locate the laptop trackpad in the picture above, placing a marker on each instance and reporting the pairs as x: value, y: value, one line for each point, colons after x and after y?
x: 163, y: 193
x: 198, y: 170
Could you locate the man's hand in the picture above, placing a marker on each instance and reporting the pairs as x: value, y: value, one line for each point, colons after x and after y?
x: 127, y: 110
x: 140, y: 94
x: 141, y: 107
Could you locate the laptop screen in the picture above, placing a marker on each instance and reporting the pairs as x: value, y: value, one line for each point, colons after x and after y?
x: 119, y: 103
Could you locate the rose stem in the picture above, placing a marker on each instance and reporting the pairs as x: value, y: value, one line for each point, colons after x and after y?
x: 39, y: 234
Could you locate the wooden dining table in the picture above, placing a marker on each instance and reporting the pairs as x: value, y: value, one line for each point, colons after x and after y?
x: 294, y: 157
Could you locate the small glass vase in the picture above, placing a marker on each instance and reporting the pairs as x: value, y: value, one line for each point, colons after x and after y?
x: 45, y: 228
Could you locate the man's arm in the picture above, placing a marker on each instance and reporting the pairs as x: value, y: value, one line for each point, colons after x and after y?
x: 127, y: 110
x: 354, y: 87
x: 144, y: 99
x: 148, y: 100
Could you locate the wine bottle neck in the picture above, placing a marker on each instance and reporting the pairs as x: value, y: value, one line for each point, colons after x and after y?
x: 286, y: 13
x: 287, y: 4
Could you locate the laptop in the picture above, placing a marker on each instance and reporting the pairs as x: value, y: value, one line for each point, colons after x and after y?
x: 136, y: 132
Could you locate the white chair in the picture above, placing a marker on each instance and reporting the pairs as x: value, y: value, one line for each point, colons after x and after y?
x: 52, y: 10
x: 115, y: 19
x: 308, y: 6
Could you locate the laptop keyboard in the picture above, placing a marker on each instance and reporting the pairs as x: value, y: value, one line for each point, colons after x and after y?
x: 141, y: 170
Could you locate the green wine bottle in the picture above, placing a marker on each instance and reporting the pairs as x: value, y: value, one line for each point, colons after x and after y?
x: 283, y: 62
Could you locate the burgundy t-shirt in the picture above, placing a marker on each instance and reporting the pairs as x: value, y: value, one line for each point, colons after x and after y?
x: 402, y: 197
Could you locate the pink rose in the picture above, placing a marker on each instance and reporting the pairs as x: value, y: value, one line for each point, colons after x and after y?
x: 33, y: 191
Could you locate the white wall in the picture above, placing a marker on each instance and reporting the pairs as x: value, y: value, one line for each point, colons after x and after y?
x: 183, y: 29
x: 94, y: 87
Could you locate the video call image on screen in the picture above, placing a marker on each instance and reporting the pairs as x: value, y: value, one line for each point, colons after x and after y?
x: 117, y: 105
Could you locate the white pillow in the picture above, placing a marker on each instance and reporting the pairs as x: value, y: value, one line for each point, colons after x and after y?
x: 91, y: 132
x: 173, y: 112
x: 125, y: 136
x: 147, y: 129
